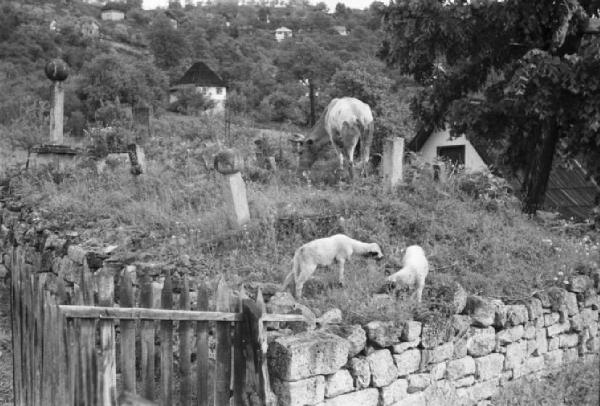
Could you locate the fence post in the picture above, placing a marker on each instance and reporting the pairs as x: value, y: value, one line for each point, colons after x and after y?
x: 239, y: 359
x: 147, y: 340
x: 107, y: 389
x: 202, y: 347
x: 166, y: 346
x: 126, y: 299
x: 393, y: 156
x: 185, y: 340
x: 223, y: 338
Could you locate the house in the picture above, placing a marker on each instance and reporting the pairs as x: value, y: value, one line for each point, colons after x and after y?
x: 340, y: 29
x: 205, y: 81
x: 112, y: 12
x: 89, y: 28
x: 570, y: 191
x: 282, y: 33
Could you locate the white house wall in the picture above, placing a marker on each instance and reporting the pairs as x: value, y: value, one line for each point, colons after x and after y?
x: 211, y: 93
x: 473, y: 161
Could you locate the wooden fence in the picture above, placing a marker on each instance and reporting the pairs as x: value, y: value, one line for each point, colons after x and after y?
x: 91, y: 352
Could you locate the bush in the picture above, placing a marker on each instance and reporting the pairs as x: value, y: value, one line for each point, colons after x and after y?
x: 190, y: 101
x: 76, y: 123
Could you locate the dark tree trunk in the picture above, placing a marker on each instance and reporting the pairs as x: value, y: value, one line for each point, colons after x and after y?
x: 311, y: 96
x: 536, y: 180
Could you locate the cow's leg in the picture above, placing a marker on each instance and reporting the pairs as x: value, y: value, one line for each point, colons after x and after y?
x: 341, y: 263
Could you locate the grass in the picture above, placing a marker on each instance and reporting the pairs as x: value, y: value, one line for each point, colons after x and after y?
x: 479, y: 239
x: 577, y: 384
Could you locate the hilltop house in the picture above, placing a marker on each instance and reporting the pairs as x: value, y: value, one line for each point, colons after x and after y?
x: 570, y: 191
x: 205, y: 81
x: 340, y: 29
x: 282, y: 33
x: 112, y: 13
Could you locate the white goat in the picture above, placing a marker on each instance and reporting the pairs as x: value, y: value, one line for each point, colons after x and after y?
x: 414, y: 270
x: 325, y: 251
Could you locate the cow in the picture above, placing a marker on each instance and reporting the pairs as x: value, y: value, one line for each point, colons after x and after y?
x: 344, y: 123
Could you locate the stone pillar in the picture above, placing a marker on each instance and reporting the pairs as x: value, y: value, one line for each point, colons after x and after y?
x: 57, y: 113
x: 229, y: 163
x: 393, y: 156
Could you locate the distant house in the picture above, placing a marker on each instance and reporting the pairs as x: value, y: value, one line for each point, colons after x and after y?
x: 112, y: 12
x: 205, y: 81
x: 282, y: 33
x: 340, y: 29
x: 53, y: 25
x: 89, y: 29
x: 569, y: 191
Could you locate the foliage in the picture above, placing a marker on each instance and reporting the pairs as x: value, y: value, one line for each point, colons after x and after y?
x: 168, y: 45
x: 30, y: 128
x: 517, y: 77
x: 190, y: 101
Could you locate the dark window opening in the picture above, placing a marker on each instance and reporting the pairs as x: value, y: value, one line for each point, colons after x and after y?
x: 454, y: 154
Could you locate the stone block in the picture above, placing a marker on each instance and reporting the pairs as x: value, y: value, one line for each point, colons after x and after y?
x: 413, y: 399
x: 479, y: 391
x: 466, y: 381
x: 338, y: 383
x: 76, y: 253
x: 394, y: 392
x: 332, y: 316
x: 438, y: 354
x: 481, y: 310
x: 356, y: 336
x: 568, y: 340
x: 516, y: 314
x: 481, y: 341
x: 557, y: 329
x: 593, y: 328
x: 418, y: 382
x: 576, y: 322
x: 383, y: 333
x: 531, y: 347
x: 580, y: 283
x: 553, y: 359
x: 515, y: 353
x: 571, y: 355
x: 458, y: 368
x: 553, y: 343
x: 534, y: 308
x: 460, y: 324
x: 383, y: 369
x: 593, y: 345
x: 529, y: 331
x: 360, y: 371
x: 500, y: 314
x: 533, y: 364
x: 401, y: 347
x: 408, y: 362
x: 557, y: 298
x: 571, y: 303
x: 489, y: 367
x: 308, y: 391
x: 460, y: 348
x: 434, y: 334
x: 438, y: 371
x: 366, y: 397
x: 589, y: 317
x: 307, y: 354
x: 510, y: 335
x: 591, y: 301
x: 411, y: 331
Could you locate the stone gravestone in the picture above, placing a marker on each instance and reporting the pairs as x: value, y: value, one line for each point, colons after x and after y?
x: 393, y: 156
x: 141, y: 116
x: 229, y: 163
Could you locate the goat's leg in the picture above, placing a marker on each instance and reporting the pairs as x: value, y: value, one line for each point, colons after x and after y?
x: 305, y: 273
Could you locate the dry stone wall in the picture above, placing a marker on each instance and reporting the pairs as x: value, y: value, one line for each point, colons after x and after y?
x: 462, y: 362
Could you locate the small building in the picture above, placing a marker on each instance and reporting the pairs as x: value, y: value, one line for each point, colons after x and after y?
x: 340, y: 29
x: 112, y: 13
x: 205, y: 81
x: 89, y: 29
x: 570, y: 191
x: 282, y: 33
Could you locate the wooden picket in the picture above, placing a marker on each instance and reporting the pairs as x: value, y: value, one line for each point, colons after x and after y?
x: 81, y: 350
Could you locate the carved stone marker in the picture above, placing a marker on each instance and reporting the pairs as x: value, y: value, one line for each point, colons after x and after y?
x: 393, y: 156
x: 229, y: 163
x: 57, y: 71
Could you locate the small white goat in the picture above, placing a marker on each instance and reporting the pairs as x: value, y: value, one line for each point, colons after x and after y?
x: 414, y: 270
x: 325, y: 251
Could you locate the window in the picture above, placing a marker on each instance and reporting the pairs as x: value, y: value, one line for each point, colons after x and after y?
x: 219, y: 90
x: 454, y: 154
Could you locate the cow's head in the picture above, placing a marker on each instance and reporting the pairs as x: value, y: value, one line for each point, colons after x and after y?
x: 309, y: 148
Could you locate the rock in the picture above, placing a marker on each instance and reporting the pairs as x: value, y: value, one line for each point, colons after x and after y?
x: 460, y: 348
x: 411, y: 331
x: 557, y: 297
x: 76, y: 254
x: 541, y: 342
x: 589, y: 317
x: 438, y: 371
x: 53, y: 242
x: 459, y: 299
x: 553, y: 359
x: 481, y: 310
x: 332, y: 316
x: 458, y: 368
x: 309, y: 391
x: 366, y: 397
x: 551, y: 318
x: 553, y: 343
x: 307, y: 354
x: 434, y: 333
x: 360, y: 371
x: 479, y: 391
x: 383, y: 369
x: 576, y: 323
x: 413, y: 399
x: 571, y: 355
x: 489, y: 367
x: 418, y: 382
x: 534, y: 308
x: 571, y: 303
x: 355, y: 335
x: 516, y: 314
x: 281, y: 303
x: 533, y: 364
x: 481, y: 341
x: 500, y: 314
x: 568, y: 340
x: 438, y: 354
x: 580, y: 283
x: 284, y: 303
x: 383, y: 333
x: 466, y: 381
x: 529, y: 331
x: 556, y: 329
x: 460, y: 324
x: 408, y: 362
x: 515, y: 354
x: 510, y: 335
x: 338, y: 383
x: 400, y: 348
x: 394, y: 392
x: 543, y: 298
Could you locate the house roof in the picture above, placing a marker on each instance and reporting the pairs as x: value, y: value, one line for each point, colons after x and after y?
x: 200, y: 74
x: 283, y: 29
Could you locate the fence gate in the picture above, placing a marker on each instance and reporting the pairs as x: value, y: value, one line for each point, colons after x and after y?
x: 83, y: 350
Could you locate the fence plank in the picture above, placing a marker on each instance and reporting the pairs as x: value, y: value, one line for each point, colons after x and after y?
x: 16, y: 317
x: 166, y: 346
x: 87, y: 363
x: 239, y: 357
x: 223, y: 351
x: 185, y: 341
x: 48, y: 362
x: 147, y: 340
x: 202, y: 347
x: 97, y: 312
x: 126, y: 299
x: 107, y: 389
x: 261, y: 346
x: 37, y: 333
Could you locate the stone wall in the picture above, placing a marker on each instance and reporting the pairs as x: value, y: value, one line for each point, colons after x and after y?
x: 462, y: 360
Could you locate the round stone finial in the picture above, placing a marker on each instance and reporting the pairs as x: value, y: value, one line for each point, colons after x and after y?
x: 57, y: 70
x: 228, y: 161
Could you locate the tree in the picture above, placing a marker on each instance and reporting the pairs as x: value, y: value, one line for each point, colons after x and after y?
x: 317, y: 67
x: 515, y: 76
x: 341, y: 10
x: 168, y: 44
